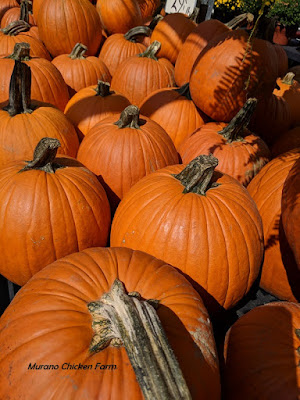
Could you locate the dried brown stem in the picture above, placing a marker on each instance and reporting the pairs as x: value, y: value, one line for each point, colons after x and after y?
x: 129, y: 118
x: 44, y: 155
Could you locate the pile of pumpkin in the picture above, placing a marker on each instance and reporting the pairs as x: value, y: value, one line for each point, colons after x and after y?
x: 176, y: 144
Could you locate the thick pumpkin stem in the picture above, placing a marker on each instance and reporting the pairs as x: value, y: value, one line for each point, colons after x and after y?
x: 184, y: 90
x: 155, y: 21
x: 16, y: 27
x: 288, y: 78
x: 19, y: 90
x: 151, y: 51
x: 78, y: 51
x: 25, y: 8
x: 137, y: 31
x: 44, y: 155
x: 129, y: 118
x: 196, y: 176
x: 239, y: 20
x: 233, y: 132
x: 103, y: 89
x: 126, y: 319
x: 21, y: 52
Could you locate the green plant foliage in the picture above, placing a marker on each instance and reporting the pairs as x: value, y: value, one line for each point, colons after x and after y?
x: 287, y: 11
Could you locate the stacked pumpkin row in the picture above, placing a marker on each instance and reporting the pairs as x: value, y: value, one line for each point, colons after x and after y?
x: 204, y: 222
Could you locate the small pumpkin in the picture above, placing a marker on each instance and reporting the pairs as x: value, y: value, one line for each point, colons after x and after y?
x: 80, y: 71
x: 23, y: 12
x: 141, y: 75
x: 122, y: 151
x: 202, y: 222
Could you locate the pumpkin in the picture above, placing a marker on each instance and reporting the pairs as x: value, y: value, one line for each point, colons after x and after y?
x: 203, y: 223
x: 92, y: 104
x: 289, y: 89
x: 63, y: 23
x: 280, y: 275
x: 23, y: 123
x: 80, y: 71
x: 22, y: 12
x: 241, y: 154
x: 148, y: 8
x: 50, y: 207
x: 282, y: 59
x: 6, y: 5
x: 173, y: 109
x: 229, y: 71
x: 290, y: 204
x: 193, y: 45
x: 122, y: 151
x: 262, y: 354
x: 62, y: 305
x: 47, y: 84
x: 118, y: 16
x: 141, y: 75
x: 288, y: 141
x: 171, y: 32
x: 118, y: 47
x: 17, y: 32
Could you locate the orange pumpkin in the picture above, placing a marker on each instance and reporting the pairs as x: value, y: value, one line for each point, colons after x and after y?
x: 118, y: 47
x: 47, y: 84
x: 57, y: 305
x: 6, y: 5
x: 80, y: 71
x: 63, y: 23
x: 92, y: 104
x: 203, y: 223
x: 23, y: 123
x: 118, y: 16
x: 171, y: 32
x: 241, y: 154
x: 141, y: 75
x: 290, y: 204
x: 280, y: 275
x: 50, y: 207
x: 22, y: 12
x: 173, y: 109
x: 148, y: 7
x: 267, y: 339
x: 121, y: 152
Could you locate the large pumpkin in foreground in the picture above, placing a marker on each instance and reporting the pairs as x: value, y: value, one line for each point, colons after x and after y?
x: 51, y: 321
x: 203, y: 223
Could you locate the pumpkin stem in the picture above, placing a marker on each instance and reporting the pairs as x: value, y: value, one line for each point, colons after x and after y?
x: 155, y: 21
x: 103, y: 89
x: 129, y: 118
x: 78, y: 51
x: 19, y: 90
x: 288, y: 79
x: 233, y: 132
x: 184, y: 90
x: 196, y: 176
x: 151, y: 51
x: 136, y: 31
x: 21, y: 52
x: 25, y: 8
x: 239, y: 20
x: 15, y: 27
x: 126, y: 319
x: 44, y: 155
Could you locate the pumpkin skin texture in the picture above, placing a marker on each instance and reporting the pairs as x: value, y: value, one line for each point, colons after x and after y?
x: 212, y: 239
x: 121, y: 155
x: 193, y: 45
x: 280, y: 275
x: 288, y: 141
x: 261, y: 357
x: 219, y: 75
x: 118, y: 16
x: 59, y: 296
x: 79, y: 71
x: 6, y: 5
x: 171, y: 32
x: 283, y: 61
x: 92, y: 104
x: 13, y: 14
x: 45, y: 216
x: 174, y: 111
x: 139, y: 76
x: 148, y: 7
x: 117, y: 48
x: 63, y: 23
x: 290, y: 204
x: 47, y: 83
